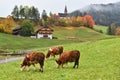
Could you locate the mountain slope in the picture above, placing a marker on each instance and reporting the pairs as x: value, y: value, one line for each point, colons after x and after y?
x: 103, y: 14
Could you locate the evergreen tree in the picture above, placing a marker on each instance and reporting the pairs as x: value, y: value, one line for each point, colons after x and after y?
x: 22, y: 13
x: 15, y: 13
x: 44, y: 15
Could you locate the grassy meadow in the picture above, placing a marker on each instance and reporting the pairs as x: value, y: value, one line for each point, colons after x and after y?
x: 101, y: 28
x: 64, y: 35
x: 100, y: 60
x: 100, y: 57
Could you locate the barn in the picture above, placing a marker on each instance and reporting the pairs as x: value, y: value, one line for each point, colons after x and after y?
x: 44, y: 32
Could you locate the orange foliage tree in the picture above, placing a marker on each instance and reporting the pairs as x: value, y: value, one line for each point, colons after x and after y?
x: 7, y: 25
x: 117, y: 31
x: 88, y: 21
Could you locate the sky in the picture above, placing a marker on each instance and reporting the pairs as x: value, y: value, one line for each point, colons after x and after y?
x: 54, y: 6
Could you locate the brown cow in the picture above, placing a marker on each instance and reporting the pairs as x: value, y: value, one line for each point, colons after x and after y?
x: 54, y: 51
x: 32, y: 59
x: 70, y: 56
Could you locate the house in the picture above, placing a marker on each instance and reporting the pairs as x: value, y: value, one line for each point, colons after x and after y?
x: 16, y: 30
x: 44, y: 32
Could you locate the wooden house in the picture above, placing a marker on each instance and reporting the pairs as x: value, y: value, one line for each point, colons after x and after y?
x: 17, y: 30
x: 44, y: 32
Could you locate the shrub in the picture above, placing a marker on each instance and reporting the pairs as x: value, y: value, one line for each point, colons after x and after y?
x: 27, y: 28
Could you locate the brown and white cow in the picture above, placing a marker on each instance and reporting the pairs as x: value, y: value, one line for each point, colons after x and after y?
x: 54, y: 51
x: 70, y: 56
x: 32, y: 59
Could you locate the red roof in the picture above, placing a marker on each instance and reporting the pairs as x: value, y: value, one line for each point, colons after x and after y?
x: 45, y: 30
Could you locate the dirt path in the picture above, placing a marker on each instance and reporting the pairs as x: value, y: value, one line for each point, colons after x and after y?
x: 10, y: 59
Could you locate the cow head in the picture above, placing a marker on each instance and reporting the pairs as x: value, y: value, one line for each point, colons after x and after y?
x: 25, y: 63
x: 49, y: 53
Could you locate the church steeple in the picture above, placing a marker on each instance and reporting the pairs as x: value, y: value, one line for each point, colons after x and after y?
x: 65, y: 11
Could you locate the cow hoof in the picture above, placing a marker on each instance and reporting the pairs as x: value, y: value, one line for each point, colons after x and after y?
x: 41, y: 70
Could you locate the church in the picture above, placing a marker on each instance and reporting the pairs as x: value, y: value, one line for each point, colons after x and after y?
x: 65, y: 14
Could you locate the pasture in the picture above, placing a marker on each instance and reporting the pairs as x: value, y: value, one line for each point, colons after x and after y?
x: 103, y: 29
x: 65, y: 35
x: 100, y: 60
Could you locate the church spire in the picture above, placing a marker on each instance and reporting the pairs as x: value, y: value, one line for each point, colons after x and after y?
x: 65, y: 11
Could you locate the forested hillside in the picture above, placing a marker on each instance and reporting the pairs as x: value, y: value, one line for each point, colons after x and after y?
x: 103, y: 14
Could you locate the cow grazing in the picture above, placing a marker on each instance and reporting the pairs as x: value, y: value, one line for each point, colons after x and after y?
x: 70, y: 56
x: 32, y: 59
x: 54, y: 51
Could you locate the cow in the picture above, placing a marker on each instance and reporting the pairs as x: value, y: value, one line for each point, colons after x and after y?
x: 32, y: 59
x: 70, y: 56
x: 54, y: 51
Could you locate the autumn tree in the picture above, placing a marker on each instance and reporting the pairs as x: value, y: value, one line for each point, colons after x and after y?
x: 117, y: 31
x: 7, y: 25
x: 88, y: 21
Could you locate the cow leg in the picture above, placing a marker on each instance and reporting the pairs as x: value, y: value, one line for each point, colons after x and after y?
x: 34, y: 66
x: 76, y: 63
x: 23, y: 68
x: 53, y: 56
x: 62, y: 65
x: 58, y: 66
x: 41, y: 67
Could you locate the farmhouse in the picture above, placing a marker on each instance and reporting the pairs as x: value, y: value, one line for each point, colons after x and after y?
x: 44, y: 32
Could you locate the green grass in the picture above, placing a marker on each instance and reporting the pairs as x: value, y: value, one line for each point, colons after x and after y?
x: 81, y: 33
x: 102, y: 28
x: 100, y: 60
x: 13, y: 43
x: 10, y: 43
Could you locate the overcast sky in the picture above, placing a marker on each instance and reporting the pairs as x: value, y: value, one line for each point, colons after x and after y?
x: 55, y: 6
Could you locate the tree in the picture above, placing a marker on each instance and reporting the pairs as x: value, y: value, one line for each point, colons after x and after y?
x: 88, y: 21
x: 117, y: 31
x: 79, y: 20
x: 26, y: 12
x: 44, y: 15
x: 112, y: 29
x: 27, y: 28
x: 22, y: 13
x: 7, y: 25
x: 15, y: 13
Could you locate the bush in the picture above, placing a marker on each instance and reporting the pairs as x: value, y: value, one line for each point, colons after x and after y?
x: 27, y: 28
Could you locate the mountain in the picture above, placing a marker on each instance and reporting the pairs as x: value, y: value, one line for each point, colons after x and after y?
x: 103, y: 14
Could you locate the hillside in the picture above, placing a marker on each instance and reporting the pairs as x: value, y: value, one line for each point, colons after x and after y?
x: 65, y: 35
x: 100, y: 60
x: 103, y: 14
